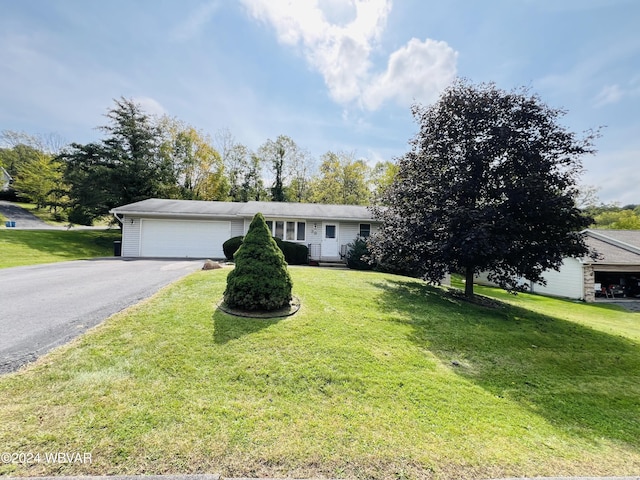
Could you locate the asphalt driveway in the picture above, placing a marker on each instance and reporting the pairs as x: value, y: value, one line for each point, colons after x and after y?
x: 23, y: 218
x: 44, y: 306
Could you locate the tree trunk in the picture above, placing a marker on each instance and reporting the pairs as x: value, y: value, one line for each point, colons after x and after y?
x: 468, y: 286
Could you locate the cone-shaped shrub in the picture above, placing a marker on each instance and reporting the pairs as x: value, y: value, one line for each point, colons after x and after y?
x: 260, y: 279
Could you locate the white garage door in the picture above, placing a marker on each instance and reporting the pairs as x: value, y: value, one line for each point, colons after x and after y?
x: 183, y: 238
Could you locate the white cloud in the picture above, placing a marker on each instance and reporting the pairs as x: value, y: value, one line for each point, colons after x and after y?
x: 609, y: 94
x: 419, y: 71
x: 337, y: 38
x: 150, y: 105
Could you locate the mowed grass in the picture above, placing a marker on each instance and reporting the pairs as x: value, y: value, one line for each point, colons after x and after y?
x: 30, y: 247
x: 377, y: 376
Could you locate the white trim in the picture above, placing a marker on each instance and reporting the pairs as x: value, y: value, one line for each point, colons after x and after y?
x: 295, y: 222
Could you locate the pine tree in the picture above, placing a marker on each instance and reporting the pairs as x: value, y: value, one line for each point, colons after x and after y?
x: 260, y: 279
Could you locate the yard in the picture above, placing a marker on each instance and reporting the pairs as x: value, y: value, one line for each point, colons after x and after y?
x: 30, y: 247
x: 377, y: 376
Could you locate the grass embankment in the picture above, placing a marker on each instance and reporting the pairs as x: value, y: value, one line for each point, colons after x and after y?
x: 44, y: 214
x: 30, y: 247
x: 377, y: 376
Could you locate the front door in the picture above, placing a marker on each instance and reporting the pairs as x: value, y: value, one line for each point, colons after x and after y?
x: 330, y: 240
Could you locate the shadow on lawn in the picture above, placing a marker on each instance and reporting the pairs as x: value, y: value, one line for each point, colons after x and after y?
x: 228, y: 327
x: 585, y: 381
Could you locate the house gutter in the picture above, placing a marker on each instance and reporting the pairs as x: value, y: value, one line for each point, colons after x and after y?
x: 238, y: 216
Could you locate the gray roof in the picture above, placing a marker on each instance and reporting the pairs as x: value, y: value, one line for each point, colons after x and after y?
x: 615, y: 247
x: 165, y: 207
x: 199, y: 208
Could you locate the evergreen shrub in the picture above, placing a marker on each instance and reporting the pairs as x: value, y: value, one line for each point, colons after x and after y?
x: 355, y: 253
x: 260, y: 279
x: 231, y: 246
x: 294, y: 253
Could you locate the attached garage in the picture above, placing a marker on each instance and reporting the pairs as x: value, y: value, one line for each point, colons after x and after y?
x: 613, y: 274
x: 183, y: 238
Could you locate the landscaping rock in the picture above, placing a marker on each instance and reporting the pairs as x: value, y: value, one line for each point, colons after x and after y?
x: 211, y: 265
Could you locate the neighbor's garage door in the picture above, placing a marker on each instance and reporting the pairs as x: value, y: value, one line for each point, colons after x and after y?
x: 183, y: 238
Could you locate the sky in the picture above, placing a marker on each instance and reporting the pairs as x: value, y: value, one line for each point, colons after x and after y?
x: 334, y: 75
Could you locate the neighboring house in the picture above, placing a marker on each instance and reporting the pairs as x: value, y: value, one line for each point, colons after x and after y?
x: 197, y: 229
x: 5, y: 179
x: 615, y: 273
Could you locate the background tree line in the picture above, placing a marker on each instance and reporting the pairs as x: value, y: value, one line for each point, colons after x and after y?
x: 143, y: 156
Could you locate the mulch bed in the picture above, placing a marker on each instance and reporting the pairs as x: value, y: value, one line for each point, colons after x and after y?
x: 286, y: 311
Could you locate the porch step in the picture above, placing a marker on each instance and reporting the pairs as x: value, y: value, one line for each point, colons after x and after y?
x: 332, y: 265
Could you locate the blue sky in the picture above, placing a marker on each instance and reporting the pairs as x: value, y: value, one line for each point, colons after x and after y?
x: 335, y: 75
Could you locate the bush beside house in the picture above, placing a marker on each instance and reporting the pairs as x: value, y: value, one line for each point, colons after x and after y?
x: 358, y: 254
x: 231, y: 246
x: 294, y: 253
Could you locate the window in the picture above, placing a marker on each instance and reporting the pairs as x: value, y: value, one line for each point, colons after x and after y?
x: 279, y: 233
x: 287, y: 230
x: 365, y: 230
x: 291, y: 230
x: 329, y: 231
x: 300, y: 236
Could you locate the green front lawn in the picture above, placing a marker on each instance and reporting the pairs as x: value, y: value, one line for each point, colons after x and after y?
x: 30, y: 247
x: 377, y: 376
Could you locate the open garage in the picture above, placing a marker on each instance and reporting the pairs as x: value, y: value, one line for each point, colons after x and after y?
x: 617, y: 283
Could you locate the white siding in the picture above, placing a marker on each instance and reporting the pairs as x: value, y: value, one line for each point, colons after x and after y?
x: 130, y: 237
x: 568, y: 282
x: 482, y: 279
x: 347, y: 233
x: 237, y: 228
x: 313, y: 235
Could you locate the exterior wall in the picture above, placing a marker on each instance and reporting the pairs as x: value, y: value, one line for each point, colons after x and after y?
x: 589, y: 278
x: 568, y: 282
x: 238, y: 228
x: 314, y: 234
x: 347, y: 232
x: 130, y: 236
x: 481, y: 279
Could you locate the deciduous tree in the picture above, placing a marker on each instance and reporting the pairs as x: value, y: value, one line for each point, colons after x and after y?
x: 278, y: 155
x: 31, y: 162
x: 197, y: 166
x: 382, y: 177
x: 488, y: 185
x: 341, y: 180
